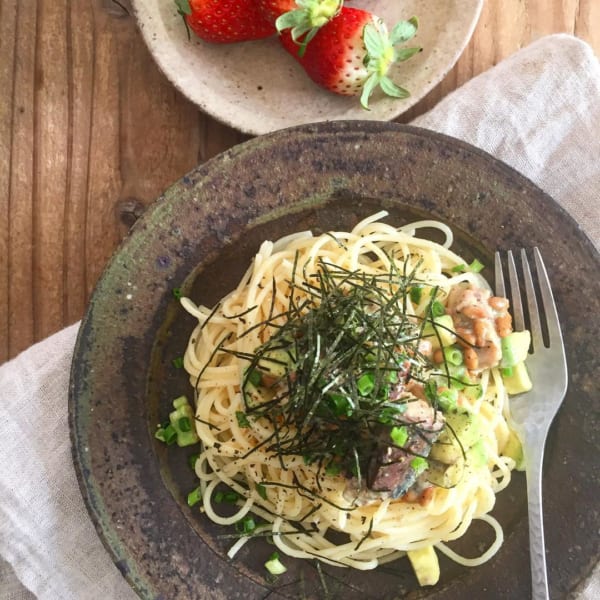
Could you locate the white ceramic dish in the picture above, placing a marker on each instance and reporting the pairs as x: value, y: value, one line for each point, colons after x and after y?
x: 257, y: 87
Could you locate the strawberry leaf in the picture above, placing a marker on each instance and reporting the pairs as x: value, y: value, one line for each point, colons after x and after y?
x: 368, y: 87
x: 183, y: 7
x: 405, y: 53
x: 374, y: 41
x: 404, y: 31
x: 391, y: 89
x: 306, y: 20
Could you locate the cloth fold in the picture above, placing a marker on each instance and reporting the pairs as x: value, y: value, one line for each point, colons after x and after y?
x: 539, y: 111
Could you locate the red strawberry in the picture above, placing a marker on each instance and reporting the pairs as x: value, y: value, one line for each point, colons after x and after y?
x: 352, y: 54
x: 272, y: 9
x: 302, y: 17
x: 225, y: 21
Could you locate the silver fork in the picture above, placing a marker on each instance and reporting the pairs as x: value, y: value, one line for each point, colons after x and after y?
x: 532, y: 412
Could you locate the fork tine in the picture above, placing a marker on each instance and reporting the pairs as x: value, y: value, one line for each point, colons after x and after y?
x: 552, y: 322
x: 515, y: 292
x: 499, y: 287
x: 535, y: 326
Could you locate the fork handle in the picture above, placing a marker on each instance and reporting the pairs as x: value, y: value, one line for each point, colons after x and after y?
x: 534, y: 457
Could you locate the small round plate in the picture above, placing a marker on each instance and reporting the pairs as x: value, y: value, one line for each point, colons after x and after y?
x: 200, y: 236
x: 257, y: 87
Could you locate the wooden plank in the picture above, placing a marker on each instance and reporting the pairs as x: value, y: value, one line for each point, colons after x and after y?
x: 104, y: 178
x: 21, y: 285
x: 8, y: 21
x: 80, y: 34
x: 156, y: 118
x: 51, y: 152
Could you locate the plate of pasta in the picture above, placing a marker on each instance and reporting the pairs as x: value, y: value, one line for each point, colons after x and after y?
x: 300, y: 386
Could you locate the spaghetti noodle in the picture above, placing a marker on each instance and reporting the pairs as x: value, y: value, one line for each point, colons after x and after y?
x: 388, y: 439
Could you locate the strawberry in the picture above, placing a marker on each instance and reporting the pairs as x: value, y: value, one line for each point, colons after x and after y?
x: 302, y: 17
x: 225, y: 21
x: 352, y: 54
x: 272, y: 9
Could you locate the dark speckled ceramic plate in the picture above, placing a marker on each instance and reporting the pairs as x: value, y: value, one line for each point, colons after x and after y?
x: 200, y: 236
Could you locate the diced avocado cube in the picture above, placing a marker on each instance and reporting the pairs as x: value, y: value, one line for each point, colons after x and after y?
x: 518, y: 381
x: 513, y: 449
x: 425, y: 565
x: 515, y: 347
x: 477, y: 456
x: 446, y: 476
x: 446, y: 452
x: 441, y: 330
x: 276, y: 362
x: 461, y: 424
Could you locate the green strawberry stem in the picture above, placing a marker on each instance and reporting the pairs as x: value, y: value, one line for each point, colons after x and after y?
x: 382, y: 54
x: 183, y: 9
x: 306, y: 20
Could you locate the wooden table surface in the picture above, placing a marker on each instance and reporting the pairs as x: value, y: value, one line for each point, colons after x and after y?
x: 91, y: 132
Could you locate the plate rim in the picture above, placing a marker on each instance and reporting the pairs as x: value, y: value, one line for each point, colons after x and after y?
x: 338, y: 126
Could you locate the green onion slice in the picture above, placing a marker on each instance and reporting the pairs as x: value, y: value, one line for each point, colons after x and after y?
x: 274, y: 565
x: 476, y: 266
x: 437, y: 308
x: 246, y: 525
x: 419, y: 464
x: 194, y: 497
x: 399, y: 435
x: 242, y: 419
x: 453, y: 356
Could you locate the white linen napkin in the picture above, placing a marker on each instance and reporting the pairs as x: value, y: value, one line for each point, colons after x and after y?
x: 539, y: 111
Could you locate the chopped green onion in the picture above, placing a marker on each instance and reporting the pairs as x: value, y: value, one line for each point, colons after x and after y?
x: 308, y: 459
x: 246, y: 525
x: 476, y: 266
x: 242, y: 419
x: 453, y: 355
x: 437, y: 308
x: 178, y: 362
x: 399, y: 435
x: 388, y: 414
x: 180, y: 402
x: 230, y: 497
x: 177, y: 293
x: 365, y: 384
x: 392, y: 377
x: 184, y: 424
x: 458, y: 374
x: 507, y: 372
x: 181, y: 420
x: 262, y: 490
x: 254, y: 377
x: 339, y: 405
x: 459, y: 268
x: 167, y: 434
x: 416, y: 292
x: 194, y: 497
x: 274, y: 565
x: 419, y: 464
x: 447, y: 400
x: 192, y: 460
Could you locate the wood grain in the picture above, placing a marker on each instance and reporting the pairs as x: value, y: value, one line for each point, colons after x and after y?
x: 91, y: 132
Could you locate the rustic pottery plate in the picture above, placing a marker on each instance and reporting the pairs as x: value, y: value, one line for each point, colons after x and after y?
x: 200, y: 236
x: 257, y: 87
